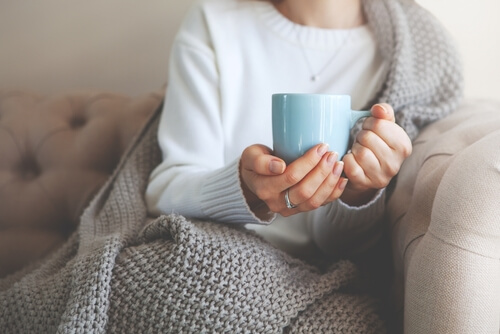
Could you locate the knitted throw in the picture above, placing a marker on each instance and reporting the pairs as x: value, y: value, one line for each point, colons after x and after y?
x: 122, y: 272
x: 425, y: 81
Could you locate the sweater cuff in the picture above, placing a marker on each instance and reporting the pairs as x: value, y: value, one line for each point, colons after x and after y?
x: 222, y: 197
x: 348, y: 229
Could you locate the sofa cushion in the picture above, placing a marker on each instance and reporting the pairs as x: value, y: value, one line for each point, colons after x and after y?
x: 410, y: 206
x: 56, y: 152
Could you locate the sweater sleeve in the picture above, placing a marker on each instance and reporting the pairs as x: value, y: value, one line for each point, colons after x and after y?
x: 193, y: 178
x: 339, y: 229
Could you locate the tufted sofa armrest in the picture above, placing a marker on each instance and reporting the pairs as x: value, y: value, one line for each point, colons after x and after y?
x: 423, y: 193
x: 55, y: 153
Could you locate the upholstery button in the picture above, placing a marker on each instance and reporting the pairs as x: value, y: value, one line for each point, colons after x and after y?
x: 77, y: 122
x: 55, y: 154
x: 29, y: 168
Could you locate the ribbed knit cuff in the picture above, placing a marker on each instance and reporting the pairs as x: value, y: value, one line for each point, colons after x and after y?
x: 222, y: 197
x: 340, y: 228
x: 360, y: 217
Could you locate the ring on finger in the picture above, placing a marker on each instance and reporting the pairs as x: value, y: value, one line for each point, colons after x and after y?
x: 288, y: 203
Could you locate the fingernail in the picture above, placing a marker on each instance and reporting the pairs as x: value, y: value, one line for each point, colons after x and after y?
x: 276, y: 167
x: 339, y: 167
x: 322, y: 149
x: 332, y: 157
x: 381, y: 107
x: 343, y: 184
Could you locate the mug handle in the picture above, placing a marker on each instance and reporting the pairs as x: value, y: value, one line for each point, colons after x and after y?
x: 356, y: 115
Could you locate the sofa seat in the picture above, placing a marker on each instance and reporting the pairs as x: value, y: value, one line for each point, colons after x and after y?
x: 55, y: 153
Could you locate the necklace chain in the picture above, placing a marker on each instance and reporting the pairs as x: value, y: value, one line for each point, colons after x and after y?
x: 316, y: 74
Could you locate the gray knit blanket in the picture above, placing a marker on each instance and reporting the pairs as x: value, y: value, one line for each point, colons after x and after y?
x: 125, y: 272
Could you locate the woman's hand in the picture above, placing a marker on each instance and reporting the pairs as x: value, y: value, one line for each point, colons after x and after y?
x: 376, y: 156
x: 311, y: 181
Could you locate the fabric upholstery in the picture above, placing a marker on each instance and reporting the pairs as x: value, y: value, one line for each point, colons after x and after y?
x: 55, y: 153
x: 443, y: 214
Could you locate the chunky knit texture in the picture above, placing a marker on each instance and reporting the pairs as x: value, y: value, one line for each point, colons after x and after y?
x: 425, y: 81
x: 123, y: 273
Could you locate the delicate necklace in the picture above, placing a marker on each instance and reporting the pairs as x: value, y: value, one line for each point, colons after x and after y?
x: 316, y: 74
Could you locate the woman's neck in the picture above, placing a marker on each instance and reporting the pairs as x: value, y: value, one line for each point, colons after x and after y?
x: 330, y: 14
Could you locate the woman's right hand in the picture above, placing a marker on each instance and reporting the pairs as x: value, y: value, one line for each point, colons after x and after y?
x: 312, y: 180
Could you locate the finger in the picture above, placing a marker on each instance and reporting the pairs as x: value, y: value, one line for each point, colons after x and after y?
x: 307, y: 189
x: 338, y: 191
x: 389, y: 159
x: 258, y: 159
x: 353, y: 171
x: 329, y: 190
x: 374, y: 174
x: 383, y: 111
x: 298, y: 169
x: 383, y: 128
x: 374, y: 143
x: 391, y: 133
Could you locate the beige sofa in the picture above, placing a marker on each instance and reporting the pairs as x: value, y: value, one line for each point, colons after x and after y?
x: 56, y: 152
x: 444, y: 224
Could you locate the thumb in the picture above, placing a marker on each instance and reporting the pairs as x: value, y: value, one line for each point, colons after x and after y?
x: 258, y: 159
x: 383, y: 111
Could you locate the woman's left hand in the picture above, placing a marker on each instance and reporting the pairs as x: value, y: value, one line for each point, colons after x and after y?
x: 376, y: 156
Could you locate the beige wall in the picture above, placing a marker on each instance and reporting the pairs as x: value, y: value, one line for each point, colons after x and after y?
x: 123, y: 45
x: 475, y: 25
x: 59, y: 45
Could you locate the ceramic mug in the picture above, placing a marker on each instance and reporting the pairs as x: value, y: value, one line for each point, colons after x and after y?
x: 300, y: 121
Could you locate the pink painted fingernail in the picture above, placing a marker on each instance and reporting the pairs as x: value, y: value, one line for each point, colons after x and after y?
x: 339, y: 167
x: 276, y: 167
x: 322, y: 149
x: 332, y: 157
x: 382, y: 107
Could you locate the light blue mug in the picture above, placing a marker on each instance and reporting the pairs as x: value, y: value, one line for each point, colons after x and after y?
x: 301, y: 121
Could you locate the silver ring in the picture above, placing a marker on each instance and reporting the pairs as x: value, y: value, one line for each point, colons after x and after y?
x: 288, y: 203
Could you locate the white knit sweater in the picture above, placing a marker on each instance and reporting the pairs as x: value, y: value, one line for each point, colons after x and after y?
x: 228, y: 58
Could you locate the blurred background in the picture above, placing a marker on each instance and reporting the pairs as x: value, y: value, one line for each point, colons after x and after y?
x: 55, y: 46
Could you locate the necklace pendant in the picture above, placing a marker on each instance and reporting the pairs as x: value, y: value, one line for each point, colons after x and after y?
x: 314, y: 77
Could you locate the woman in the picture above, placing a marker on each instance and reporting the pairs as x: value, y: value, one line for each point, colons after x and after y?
x: 231, y: 55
